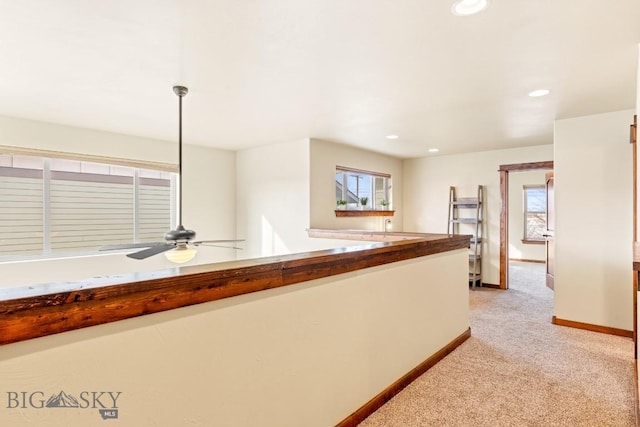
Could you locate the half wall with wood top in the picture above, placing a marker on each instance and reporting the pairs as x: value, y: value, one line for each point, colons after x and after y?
x: 304, y: 339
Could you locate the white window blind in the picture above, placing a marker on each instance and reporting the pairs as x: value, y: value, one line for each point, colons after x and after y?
x: 21, y: 211
x: 155, y: 212
x: 89, y: 211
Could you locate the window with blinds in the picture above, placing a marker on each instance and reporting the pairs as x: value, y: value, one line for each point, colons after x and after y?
x: 58, y: 206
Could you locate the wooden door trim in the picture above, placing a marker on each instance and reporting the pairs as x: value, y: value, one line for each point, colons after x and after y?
x: 504, y: 171
x: 515, y: 167
x: 504, y: 229
x: 633, y: 138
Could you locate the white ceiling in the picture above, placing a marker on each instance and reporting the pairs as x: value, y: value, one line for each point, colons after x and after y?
x: 349, y: 71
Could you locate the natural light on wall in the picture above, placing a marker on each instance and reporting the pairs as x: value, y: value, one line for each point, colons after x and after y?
x: 272, y: 244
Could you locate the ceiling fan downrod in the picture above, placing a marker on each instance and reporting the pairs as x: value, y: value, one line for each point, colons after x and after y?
x: 180, y: 233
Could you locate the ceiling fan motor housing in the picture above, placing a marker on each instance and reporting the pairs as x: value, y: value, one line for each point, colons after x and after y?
x: 180, y: 235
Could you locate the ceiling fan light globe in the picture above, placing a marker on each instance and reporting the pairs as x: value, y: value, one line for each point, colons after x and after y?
x: 181, y: 254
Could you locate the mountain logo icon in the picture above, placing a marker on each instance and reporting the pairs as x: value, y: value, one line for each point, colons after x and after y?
x: 62, y: 400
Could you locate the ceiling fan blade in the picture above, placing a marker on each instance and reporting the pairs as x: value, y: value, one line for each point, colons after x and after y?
x: 154, y: 250
x: 217, y: 246
x: 215, y: 241
x: 129, y: 246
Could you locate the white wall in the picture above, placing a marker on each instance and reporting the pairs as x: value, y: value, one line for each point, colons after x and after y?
x: 273, y: 198
x: 593, y: 236
x: 426, y: 192
x: 286, y: 188
x: 49, y: 136
x: 209, y: 196
x: 517, y: 249
x: 325, y: 156
x: 307, y: 354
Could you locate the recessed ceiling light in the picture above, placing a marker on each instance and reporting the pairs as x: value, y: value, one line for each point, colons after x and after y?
x: 469, y: 7
x: 392, y: 136
x: 433, y: 150
x: 539, y: 92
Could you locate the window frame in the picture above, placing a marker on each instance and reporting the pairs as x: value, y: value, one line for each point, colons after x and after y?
x: 48, y: 176
x: 374, y: 199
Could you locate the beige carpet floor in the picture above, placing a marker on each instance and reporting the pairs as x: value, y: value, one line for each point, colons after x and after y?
x: 518, y: 369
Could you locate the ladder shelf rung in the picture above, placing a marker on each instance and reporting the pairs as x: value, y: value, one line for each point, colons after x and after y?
x: 465, y: 221
x: 467, y: 202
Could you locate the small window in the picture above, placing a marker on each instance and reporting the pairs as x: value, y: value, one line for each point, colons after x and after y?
x: 535, y: 217
x: 357, y: 189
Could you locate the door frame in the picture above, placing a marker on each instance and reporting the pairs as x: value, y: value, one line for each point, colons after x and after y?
x: 504, y: 171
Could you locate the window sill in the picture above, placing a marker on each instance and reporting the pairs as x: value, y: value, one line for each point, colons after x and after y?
x: 533, y: 242
x: 348, y: 212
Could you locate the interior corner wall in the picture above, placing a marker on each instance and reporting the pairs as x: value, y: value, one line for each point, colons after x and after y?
x: 325, y: 156
x: 209, y: 197
x: 273, y: 198
x: 594, y: 216
x: 426, y: 193
x: 517, y: 249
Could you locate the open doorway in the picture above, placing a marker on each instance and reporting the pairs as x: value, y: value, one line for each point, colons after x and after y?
x: 522, y: 244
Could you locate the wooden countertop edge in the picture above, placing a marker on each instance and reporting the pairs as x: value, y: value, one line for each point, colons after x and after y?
x: 91, y: 302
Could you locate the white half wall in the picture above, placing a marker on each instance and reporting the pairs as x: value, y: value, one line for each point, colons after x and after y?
x: 517, y: 249
x: 209, y: 197
x: 594, y: 217
x: 302, y: 355
x: 325, y: 156
x: 426, y: 193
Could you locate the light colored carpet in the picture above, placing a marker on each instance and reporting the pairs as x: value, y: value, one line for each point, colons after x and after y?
x: 518, y: 369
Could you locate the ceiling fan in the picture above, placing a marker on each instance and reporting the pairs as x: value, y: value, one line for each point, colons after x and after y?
x: 179, y: 246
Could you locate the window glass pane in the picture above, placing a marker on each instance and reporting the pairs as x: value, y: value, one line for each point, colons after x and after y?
x: 380, y: 187
x: 27, y: 162
x: 155, y: 209
x: 143, y: 173
x: 95, y: 168
x: 65, y: 165
x: 536, y: 199
x: 89, y: 211
x: 121, y: 170
x: 535, y: 226
x: 339, y: 185
x: 353, y: 188
x: 6, y: 161
x: 21, y: 206
x: 535, y: 212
